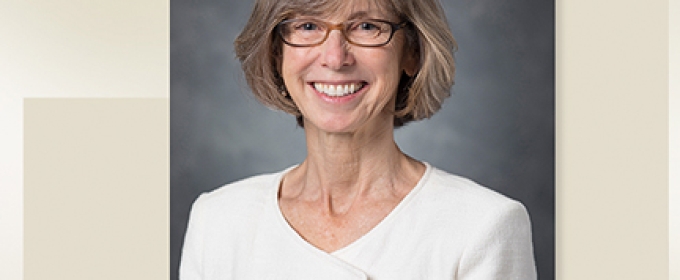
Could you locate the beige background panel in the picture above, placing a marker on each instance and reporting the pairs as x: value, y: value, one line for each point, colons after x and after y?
x: 612, y: 150
x: 96, y: 189
x: 69, y: 48
x: 674, y: 130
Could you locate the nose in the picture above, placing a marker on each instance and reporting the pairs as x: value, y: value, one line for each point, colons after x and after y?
x: 335, y: 53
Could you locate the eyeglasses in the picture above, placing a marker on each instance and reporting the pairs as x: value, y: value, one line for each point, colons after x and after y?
x: 363, y: 32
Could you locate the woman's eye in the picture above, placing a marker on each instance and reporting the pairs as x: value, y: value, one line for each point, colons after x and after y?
x: 307, y: 26
x: 368, y: 26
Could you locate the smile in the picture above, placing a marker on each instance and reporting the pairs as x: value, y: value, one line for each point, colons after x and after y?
x: 338, y: 90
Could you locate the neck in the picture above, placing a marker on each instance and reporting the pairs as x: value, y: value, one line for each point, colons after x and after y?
x: 342, y: 168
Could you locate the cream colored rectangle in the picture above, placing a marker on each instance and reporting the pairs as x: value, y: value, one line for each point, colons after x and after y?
x: 612, y: 148
x: 96, y: 190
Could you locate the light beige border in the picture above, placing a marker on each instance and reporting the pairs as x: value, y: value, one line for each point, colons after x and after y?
x: 612, y: 149
x: 72, y: 48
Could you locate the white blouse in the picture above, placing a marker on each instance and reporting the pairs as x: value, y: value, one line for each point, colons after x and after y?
x: 447, y: 227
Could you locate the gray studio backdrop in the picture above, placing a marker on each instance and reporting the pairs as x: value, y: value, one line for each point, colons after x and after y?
x: 497, y: 128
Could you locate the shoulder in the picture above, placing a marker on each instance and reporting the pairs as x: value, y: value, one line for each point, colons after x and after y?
x: 221, y: 222
x: 491, y: 230
x: 249, y: 193
x: 466, y: 193
x: 468, y: 205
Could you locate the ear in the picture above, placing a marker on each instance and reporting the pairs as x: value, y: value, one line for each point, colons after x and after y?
x: 410, y: 61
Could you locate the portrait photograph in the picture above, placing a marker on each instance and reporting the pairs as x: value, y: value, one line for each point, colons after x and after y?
x: 339, y: 140
x: 237, y: 117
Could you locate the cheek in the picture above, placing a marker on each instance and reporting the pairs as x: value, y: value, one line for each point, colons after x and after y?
x: 390, y: 69
x: 285, y: 67
x: 294, y: 61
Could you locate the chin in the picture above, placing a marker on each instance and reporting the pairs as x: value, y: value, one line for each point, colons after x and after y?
x: 334, y: 126
x: 344, y: 124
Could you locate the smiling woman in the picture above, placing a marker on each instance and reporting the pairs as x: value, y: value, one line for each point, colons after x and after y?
x: 357, y: 207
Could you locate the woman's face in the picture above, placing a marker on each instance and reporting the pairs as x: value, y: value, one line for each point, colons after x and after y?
x: 340, y: 87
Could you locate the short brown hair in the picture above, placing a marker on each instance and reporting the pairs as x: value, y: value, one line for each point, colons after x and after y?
x: 258, y: 47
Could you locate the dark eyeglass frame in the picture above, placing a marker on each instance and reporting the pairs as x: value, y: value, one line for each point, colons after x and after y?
x: 341, y: 27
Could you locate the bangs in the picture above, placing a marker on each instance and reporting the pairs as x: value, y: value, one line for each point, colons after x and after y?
x: 329, y: 8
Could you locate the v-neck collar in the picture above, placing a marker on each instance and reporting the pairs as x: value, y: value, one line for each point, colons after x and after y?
x: 385, y: 222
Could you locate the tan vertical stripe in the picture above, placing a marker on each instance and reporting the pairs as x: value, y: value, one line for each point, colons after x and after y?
x: 612, y: 150
x: 674, y: 168
x: 96, y: 189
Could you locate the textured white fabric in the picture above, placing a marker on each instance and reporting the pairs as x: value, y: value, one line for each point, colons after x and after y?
x: 447, y: 227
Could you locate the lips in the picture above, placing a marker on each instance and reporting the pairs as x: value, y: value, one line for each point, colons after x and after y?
x: 338, y: 90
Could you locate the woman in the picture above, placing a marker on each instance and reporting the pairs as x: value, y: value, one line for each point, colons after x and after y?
x: 356, y: 207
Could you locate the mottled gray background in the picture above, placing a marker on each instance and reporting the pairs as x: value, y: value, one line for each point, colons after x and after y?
x: 498, y: 127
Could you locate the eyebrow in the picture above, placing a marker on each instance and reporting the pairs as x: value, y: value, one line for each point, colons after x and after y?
x: 375, y: 14
x: 352, y: 16
x: 358, y: 14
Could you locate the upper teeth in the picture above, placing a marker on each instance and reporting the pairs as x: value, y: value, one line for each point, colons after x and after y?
x: 337, y: 90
